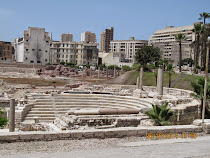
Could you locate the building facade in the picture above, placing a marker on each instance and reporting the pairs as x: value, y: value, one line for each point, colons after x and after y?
x: 127, y: 48
x: 33, y: 47
x: 106, y: 37
x: 79, y: 53
x: 67, y: 37
x: 6, y: 51
x: 165, y: 40
x: 88, y: 37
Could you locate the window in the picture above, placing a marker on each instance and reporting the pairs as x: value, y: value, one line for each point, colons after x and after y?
x: 26, y: 40
x: 45, y: 59
x: 38, y: 62
x: 26, y: 58
x: 33, y: 49
x: 63, y: 50
x: 46, y: 51
x: 40, y: 50
x: 47, y: 41
x: 66, y: 56
x: 63, y: 45
x: 32, y: 61
x: 62, y: 56
x: 26, y: 49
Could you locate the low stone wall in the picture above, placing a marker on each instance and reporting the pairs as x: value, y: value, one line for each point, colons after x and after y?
x: 186, y: 114
x: 99, y: 133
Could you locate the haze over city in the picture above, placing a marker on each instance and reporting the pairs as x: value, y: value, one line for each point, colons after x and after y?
x: 129, y: 18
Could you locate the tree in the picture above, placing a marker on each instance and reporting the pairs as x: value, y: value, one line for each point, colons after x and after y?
x: 199, y: 90
x: 147, y: 54
x: 160, y: 114
x: 3, y: 120
x: 204, y: 16
x: 170, y: 71
x: 180, y: 38
x: 197, y: 29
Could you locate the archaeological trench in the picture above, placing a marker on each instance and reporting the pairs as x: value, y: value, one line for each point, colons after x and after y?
x: 81, y: 105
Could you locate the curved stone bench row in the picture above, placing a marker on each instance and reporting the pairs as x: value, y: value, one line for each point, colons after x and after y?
x: 60, y: 103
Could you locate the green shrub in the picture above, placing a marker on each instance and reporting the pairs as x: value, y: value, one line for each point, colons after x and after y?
x: 111, y: 67
x: 62, y: 63
x: 126, y: 68
x: 137, y: 67
x: 160, y: 114
x: 70, y: 64
x: 3, y: 120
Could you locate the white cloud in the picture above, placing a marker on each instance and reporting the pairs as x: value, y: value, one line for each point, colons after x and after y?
x: 6, y: 12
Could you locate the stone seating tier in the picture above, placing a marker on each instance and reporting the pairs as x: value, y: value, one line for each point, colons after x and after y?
x: 47, y: 107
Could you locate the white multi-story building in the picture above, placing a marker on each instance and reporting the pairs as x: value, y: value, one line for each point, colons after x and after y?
x: 88, y: 37
x: 165, y: 40
x: 33, y: 47
x: 79, y: 53
x: 127, y: 48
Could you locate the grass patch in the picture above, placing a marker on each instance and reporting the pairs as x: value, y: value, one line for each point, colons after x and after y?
x: 185, y: 82
x: 149, y: 78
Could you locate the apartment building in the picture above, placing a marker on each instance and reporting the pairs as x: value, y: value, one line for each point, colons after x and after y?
x: 66, y: 37
x: 33, y: 47
x: 106, y: 37
x: 165, y: 40
x: 6, y: 51
x: 79, y: 53
x: 127, y: 48
x: 88, y: 37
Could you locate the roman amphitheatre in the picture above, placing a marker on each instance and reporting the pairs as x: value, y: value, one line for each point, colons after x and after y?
x: 57, y: 102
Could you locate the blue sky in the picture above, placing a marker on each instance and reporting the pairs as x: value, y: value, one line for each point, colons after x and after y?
x: 136, y: 18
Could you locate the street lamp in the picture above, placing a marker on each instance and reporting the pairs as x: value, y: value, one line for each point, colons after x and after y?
x: 206, y: 77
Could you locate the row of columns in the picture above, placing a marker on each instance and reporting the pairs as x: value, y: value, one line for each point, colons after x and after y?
x: 115, y: 73
x: 159, y: 81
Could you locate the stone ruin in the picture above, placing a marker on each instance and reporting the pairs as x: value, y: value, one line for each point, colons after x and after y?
x: 61, y: 70
x: 83, y: 117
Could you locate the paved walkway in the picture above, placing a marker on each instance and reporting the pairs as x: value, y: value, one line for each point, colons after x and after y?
x: 170, y: 148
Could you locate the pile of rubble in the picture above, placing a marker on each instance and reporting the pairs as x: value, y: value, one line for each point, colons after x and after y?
x: 61, y: 70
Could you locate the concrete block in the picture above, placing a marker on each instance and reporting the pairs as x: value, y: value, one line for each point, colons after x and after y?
x: 121, y: 133
x: 87, y: 134
x: 31, y: 137
x: 51, y: 136
x: 132, y: 132
x: 64, y: 135
x: 110, y: 134
x: 9, y: 138
x: 76, y: 135
x: 142, y: 132
x: 99, y: 134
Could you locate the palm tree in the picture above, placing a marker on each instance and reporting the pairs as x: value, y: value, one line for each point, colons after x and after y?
x: 197, y: 29
x: 170, y: 71
x: 199, y: 90
x: 160, y: 114
x: 180, y: 38
x: 204, y: 16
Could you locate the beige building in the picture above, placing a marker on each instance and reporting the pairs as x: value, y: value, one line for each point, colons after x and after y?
x: 66, y: 37
x: 6, y: 51
x: 33, y: 47
x: 127, y: 48
x: 79, y: 53
x: 165, y: 40
x: 106, y: 37
x: 88, y: 37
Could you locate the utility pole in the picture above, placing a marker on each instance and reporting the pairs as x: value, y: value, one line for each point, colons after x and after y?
x: 205, y: 86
